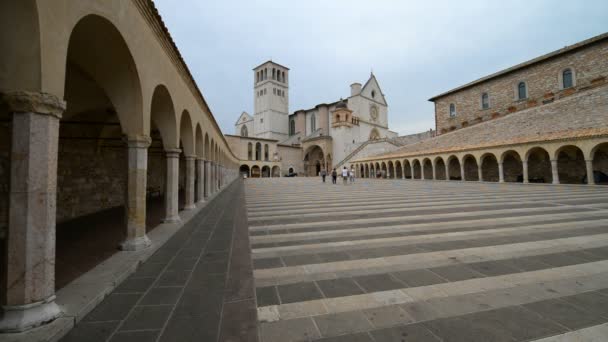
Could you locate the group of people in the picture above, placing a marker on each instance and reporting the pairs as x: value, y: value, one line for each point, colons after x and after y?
x: 347, y: 175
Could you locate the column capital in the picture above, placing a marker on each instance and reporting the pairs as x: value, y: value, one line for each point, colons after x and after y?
x: 33, y: 102
x: 190, y: 157
x: 173, y: 152
x: 137, y: 141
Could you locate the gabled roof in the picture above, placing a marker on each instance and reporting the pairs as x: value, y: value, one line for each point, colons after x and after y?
x: 536, y: 60
x: 270, y: 61
x: 372, y: 80
x: 240, y: 119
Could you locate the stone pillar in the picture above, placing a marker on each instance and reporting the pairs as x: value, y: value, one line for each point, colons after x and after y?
x: 434, y: 172
x: 479, y: 173
x: 200, y: 185
x: 590, y: 178
x: 447, y: 171
x: 524, y: 165
x: 172, y: 186
x: 403, y: 171
x: 190, y: 177
x: 30, y: 268
x: 206, y: 181
x: 422, y: 171
x: 211, y: 178
x: 501, y: 173
x: 137, y: 151
x: 554, y: 173
x: 412, y: 170
x: 462, y: 174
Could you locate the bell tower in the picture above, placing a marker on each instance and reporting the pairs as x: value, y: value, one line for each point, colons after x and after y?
x: 271, y: 101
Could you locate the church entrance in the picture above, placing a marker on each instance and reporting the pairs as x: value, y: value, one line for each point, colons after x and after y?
x: 314, y: 160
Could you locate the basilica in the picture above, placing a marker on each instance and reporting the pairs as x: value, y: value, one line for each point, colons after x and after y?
x: 274, y: 142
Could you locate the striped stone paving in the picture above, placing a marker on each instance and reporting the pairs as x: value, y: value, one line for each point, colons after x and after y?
x: 402, y: 260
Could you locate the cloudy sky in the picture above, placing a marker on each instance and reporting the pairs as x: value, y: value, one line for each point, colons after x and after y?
x: 415, y: 49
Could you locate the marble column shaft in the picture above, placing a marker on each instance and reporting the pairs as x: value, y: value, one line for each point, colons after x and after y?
x: 524, y: 165
x: 190, y: 178
x: 137, y: 170
x: 501, y: 173
x: 172, y: 186
x: 554, y: 173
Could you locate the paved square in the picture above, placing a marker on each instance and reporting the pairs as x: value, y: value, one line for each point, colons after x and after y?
x: 403, y: 260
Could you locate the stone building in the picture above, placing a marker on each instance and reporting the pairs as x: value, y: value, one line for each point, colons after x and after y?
x: 100, y: 119
x: 544, y: 120
x: 326, y: 134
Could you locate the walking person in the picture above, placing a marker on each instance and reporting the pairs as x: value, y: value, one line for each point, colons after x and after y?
x: 352, y: 175
x: 323, y: 174
x: 334, y: 176
x: 344, y: 175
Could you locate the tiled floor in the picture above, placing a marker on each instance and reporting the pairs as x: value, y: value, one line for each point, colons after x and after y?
x: 197, y: 287
x: 399, y: 260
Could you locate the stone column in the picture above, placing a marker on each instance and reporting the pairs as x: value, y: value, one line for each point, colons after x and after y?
x: 172, y: 186
x: 403, y: 171
x: 434, y: 172
x: 30, y: 268
x: 590, y: 178
x: 447, y: 171
x: 501, y: 173
x: 479, y: 173
x: 190, y: 176
x: 206, y: 181
x: 422, y: 171
x: 462, y: 174
x: 412, y: 170
x: 200, y: 185
x: 211, y: 178
x: 524, y: 165
x: 137, y: 151
x: 554, y: 173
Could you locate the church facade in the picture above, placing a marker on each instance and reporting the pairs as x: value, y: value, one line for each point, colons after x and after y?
x: 306, y: 140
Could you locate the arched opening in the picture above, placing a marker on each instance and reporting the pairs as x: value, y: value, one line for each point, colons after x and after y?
x: 539, y: 166
x: 266, y: 153
x: 258, y: 151
x: 571, y: 166
x: 378, y: 170
x: 391, y: 170
x: 407, y: 169
x: 374, y: 135
x: 249, y: 151
x: 439, y: 169
x: 255, y: 172
x: 361, y: 170
x: 454, y: 168
x: 265, y: 171
x: 105, y: 102
x: 427, y: 168
x: 186, y: 164
x: 512, y: 167
x: 489, y: 168
x: 244, y: 132
x: 398, y: 170
x: 384, y: 173
x: 417, y: 169
x: 291, y: 170
x: 599, y: 156
x: 471, y: 171
x: 314, y: 161
x: 366, y: 170
x: 244, y: 170
x: 199, y: 172
x: 276, y: 171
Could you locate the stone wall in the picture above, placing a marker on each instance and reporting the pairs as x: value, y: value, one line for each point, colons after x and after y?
x: 543, y: 80
x: 4, y: 173
x: 91, y: 176
x: 291, y: 157
x: 412, y: 138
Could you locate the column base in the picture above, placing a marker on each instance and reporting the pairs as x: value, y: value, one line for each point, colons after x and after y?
x: 201, y: 201
x: 190, y: 207
x: 174, y: 219
x: 24, y: 317
x: 136, y: 244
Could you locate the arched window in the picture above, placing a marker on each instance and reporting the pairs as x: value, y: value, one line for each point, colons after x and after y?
x: 249, y: 151
x: 313, y: 123
x: 522, y: 93
x: 452, y: 110
x: 266, y: 73
x: 485, y: 101
x: 258, y: 151
x: 567, y: 80
x: 292, y: 127
x: 279, y: 75
x: 273, y: 74
x: 373, y: 94
x: 266, y: 152
x: 283, y: 76
x: 257, y: 75
x: 244, y: 132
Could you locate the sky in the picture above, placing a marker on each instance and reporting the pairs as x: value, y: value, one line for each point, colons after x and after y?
x: 416, y: 49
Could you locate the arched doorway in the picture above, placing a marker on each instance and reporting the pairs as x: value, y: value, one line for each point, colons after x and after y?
x: 265, y: 171
x: 489, y: 168
x: 244, y: 170
x: 417, y: 169
x: 427, y: 169
x: 391, y: 169
x: 539, y: 166
x: 599, y: 164
x: 407, y: 169
x: 454, y: 168
x: 398, y: 170
x: 314, y: 159
x: 384, y: 173
x: 276, y: 171
x: 255, y: 172
x: 571, y: 166
x: 291, y: 170
x: 471, y: 171
x: 512, y: 167
x: 439, y: 169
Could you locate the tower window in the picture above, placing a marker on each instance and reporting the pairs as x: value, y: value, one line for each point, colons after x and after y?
x: 373, y: 94
x: 283, y: 76
x: 273, y: 74
x: 522, y: 92
x: 567, y: 80
x: 485, y: 101
x: 452, y: 110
